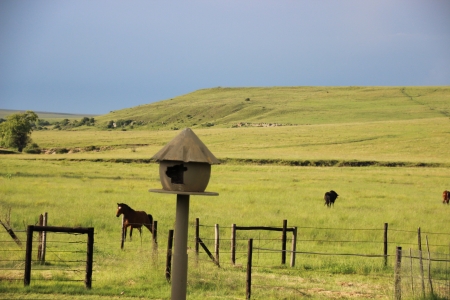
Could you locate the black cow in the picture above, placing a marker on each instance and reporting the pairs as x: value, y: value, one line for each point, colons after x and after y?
x: 330, y: 197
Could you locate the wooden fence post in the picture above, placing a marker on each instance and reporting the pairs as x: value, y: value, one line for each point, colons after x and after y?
x: 27, y: 273
x: 216, y: 243
x: 39, y: 251
x: 385, y: 244
x: 398, y: 276
x: 44, y: 238
x: 430, y: 281
x: 283, y: 243
x: 197, y: 237
x: 89, y: 258
x: 248, y: 289
x: 155, y: 236
x: 419, y: 237
x: 233, y: 244
x: 169, y: 255
x: 294, y: 246
x: 123, y: 232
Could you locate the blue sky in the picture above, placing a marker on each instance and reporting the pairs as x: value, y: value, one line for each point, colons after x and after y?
x: 93, y: 57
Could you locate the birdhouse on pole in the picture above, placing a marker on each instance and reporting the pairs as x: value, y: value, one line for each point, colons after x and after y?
x: 184, y: 169
x: 185, y: 163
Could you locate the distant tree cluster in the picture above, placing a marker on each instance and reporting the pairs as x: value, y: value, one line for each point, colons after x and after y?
x: 68, y: 124
x: 121, y: 123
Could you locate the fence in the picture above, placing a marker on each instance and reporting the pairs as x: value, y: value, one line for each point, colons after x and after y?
x: 65, y: 259
x: 311, y: 245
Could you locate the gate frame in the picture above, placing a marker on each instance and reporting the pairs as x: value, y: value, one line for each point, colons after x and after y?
x: 89, y: 255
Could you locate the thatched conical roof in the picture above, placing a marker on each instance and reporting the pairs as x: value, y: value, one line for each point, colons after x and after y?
x: 186, y: 147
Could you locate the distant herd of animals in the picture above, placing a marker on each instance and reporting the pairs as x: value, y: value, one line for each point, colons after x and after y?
x: 137, y: 219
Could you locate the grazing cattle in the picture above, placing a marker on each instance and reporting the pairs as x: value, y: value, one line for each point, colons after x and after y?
x: 445, y: 196
x: 330, y: 197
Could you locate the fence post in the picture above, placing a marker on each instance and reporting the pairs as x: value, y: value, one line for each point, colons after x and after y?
x: 385, y: 244
x: 89, y: 258
x: 398, y: 276
x: 419, y: 237
x: 169, y: 255
x: 294, y: 246
x: 197, y: 236
x: 233, y: 244
x: 216, y: 243
x: 27, y: 273
x: 39, y: 252
x: 283, y: 243
x: 429, y: 268
x: 248, y: 288
x: 44, y: 239
x: 123, y: 232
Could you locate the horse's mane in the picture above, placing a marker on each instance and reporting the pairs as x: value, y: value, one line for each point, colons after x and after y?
x: 125, y: 206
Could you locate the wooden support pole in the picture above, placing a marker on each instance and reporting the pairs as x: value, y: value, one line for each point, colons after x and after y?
x: 294, y: 246
x: 283, y: 243
x: 233, y: 244
x: 123, y: 233
x: 398, y: 276
x: 216, y: 242
x: 430, y: 281
x: 197, y: 236
x: 169, y: 255
x: 44, y: 238
x: 248, y: 285
x: 155, y: 235
x: 89, y: 258
x: 39, y: 252
x: 180, y: 257
x: 29, y: 250
x: 385, y: 250
x: 419, y: 238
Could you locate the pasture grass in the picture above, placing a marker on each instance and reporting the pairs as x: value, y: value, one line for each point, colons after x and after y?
x: 395, y: 141
x: 86, y: 194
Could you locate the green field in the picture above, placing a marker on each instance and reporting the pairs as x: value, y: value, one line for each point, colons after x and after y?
x: 389, y: 165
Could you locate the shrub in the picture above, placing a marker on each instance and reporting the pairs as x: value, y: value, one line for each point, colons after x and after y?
x: 61, y: 151
x: 32, y: 149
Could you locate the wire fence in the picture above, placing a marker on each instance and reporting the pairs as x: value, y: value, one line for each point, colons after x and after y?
x: 65, y: 257
x: 423, y: 274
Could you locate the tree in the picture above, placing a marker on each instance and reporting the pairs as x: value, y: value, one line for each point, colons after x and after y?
x: 16, y: 130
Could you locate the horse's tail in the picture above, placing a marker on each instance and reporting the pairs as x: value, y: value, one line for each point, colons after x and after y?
x: 150, y: 219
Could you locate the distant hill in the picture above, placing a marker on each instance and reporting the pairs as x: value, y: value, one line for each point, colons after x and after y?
x: 230, y: 107
x: 273, y: 106
x: 45, y: 115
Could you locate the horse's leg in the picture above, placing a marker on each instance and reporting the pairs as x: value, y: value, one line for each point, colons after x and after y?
x: 131, y: 232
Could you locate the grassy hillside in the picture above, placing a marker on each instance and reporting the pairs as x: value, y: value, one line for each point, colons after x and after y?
x: 226, y: 107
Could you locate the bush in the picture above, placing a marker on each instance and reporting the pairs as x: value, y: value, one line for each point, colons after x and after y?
x: 32, y: 149
x: 61, y: 151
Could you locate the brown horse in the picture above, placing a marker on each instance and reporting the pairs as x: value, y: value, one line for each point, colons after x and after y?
x: 134, y: 219
x: 445, y: 196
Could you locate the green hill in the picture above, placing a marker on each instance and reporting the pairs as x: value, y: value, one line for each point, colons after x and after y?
x: 229, y: 107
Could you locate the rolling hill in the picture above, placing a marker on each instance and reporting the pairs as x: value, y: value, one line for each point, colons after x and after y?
x: 229, y: 107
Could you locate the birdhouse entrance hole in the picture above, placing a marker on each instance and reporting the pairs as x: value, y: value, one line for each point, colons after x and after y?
x: 175, y: 173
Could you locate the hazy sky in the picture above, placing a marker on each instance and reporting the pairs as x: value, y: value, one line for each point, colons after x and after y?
x: 97, y: 56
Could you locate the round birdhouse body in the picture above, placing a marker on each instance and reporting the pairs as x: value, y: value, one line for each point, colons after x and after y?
x: 184, y: 177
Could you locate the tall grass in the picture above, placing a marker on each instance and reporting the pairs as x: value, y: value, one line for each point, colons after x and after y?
x: 85, y: 194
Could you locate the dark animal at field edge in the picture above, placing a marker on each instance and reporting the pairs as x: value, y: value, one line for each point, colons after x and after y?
x: 134, y: 219
x: 330, y: 197
x: 445, y: 196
